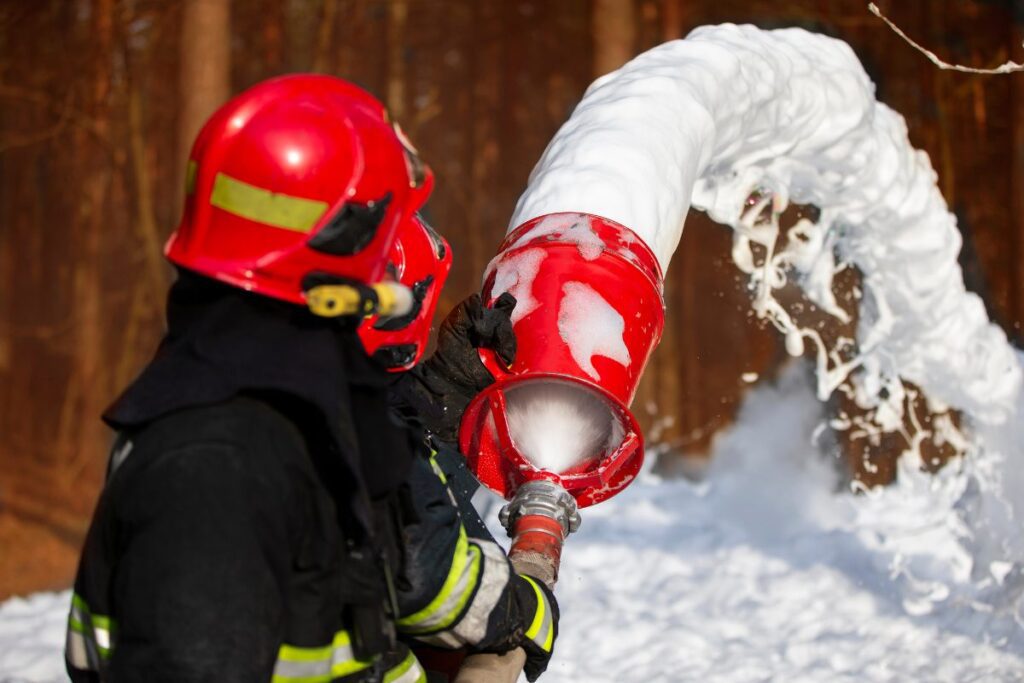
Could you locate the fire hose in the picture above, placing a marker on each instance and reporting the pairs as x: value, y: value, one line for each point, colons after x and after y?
x: 539, y: 519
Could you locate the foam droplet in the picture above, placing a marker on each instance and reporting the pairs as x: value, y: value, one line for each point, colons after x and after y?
x: 794, y: 343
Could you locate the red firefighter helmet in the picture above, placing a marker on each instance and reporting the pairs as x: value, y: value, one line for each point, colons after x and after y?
x: 420, y: 260
x: 299, y: 185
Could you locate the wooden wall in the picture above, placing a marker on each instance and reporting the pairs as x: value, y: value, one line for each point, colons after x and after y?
x: 98, y: 98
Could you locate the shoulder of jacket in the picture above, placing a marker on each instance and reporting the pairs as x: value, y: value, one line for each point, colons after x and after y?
x: 240, y: 423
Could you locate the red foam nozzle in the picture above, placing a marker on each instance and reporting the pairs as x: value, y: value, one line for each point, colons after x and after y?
x: 589, y: 313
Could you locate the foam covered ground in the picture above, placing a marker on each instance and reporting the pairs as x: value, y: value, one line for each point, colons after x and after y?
x: 32, y: 638
x: 764, y: 571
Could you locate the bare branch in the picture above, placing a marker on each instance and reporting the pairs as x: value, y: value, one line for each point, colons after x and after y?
x: 1006, y: 68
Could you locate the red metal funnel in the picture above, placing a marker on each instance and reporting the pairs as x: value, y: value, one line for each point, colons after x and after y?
x: 589, y: 313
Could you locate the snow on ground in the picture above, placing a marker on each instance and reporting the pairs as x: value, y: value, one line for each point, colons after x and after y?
x: 764, y: 571
x: 767, y: 571
x: 32, y: 638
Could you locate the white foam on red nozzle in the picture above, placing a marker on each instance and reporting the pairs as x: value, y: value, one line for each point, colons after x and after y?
x: 558, y: 425
x: 515, y: 274
x: 591, y: 327
x: 733, y: 109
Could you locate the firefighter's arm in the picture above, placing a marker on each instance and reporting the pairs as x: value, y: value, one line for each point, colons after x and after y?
x: 459, y: 590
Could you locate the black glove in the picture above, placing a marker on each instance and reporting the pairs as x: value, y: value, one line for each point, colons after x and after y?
x: 436, y: 392
x: 539, y: 611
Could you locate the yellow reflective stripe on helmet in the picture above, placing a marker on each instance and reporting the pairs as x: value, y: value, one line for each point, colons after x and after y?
x: 542, y: 625
x: 458, y: 586
x: 272, y: 208
x: 318, y: 664
x: 191, y: 171
x: 408, y: 671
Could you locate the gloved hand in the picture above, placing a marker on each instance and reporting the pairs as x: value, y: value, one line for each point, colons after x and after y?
x: 471, y: 326
x: 539, y: 611
x: 439, y: 389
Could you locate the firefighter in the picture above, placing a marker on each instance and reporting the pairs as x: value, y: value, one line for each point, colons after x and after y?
x: 273, y: 509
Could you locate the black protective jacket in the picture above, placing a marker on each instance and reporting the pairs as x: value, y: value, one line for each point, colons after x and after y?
x: 265, y: 518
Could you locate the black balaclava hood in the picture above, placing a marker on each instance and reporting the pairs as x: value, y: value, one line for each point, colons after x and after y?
x: 223, y: 342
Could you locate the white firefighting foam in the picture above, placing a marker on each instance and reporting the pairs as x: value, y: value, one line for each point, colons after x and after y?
x: 734, y: 113
x: 766, y: 570
x: 566, y: 227
x: 590, y: 327
x: 557, y: 425
x: 515, y: 275
x: 733, y: 109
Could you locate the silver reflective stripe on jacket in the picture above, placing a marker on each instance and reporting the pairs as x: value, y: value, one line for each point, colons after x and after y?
x: 450, y: 602
x: 336, y: 662
x: 90, y: 636
x: 408, y: 671
x: 471, y: 627
x: 318, y: 664
x: 542, y: 628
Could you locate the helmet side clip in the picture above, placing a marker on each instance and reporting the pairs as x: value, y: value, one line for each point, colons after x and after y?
x: 351, y: 229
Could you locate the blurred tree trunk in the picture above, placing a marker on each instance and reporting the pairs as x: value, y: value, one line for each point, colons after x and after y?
x: 398, y: 13
x: 1017, y: 189
x: 140, y: 316
x: 6, y: 301
x: 303, y: 20
x: 614, y: 30
x: 205, y: 75
x: 484, y: 132
x: 272, y: 30
x: 673, y: 17
x: 80, y: 432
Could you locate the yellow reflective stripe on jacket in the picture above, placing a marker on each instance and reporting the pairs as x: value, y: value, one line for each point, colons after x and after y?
x: 437, y: 468
x: 273, y: 208
x: 408, y: 671
x: 472, y: 626
x: 88, y: 633
x: 440, y: 475
x: 542, y: 630
x: 318, y: 664
x: 458, y: 586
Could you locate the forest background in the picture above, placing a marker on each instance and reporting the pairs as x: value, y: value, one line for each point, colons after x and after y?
x: 100, y: 99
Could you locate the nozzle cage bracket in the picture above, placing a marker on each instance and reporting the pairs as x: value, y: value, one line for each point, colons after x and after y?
x: 543, y: 498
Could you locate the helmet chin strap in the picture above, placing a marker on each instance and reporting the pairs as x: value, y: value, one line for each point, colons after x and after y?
x: 385, y: 299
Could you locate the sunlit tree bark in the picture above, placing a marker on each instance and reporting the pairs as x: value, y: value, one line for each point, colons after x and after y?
x: 205, y: 75
x: 614, y: 30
